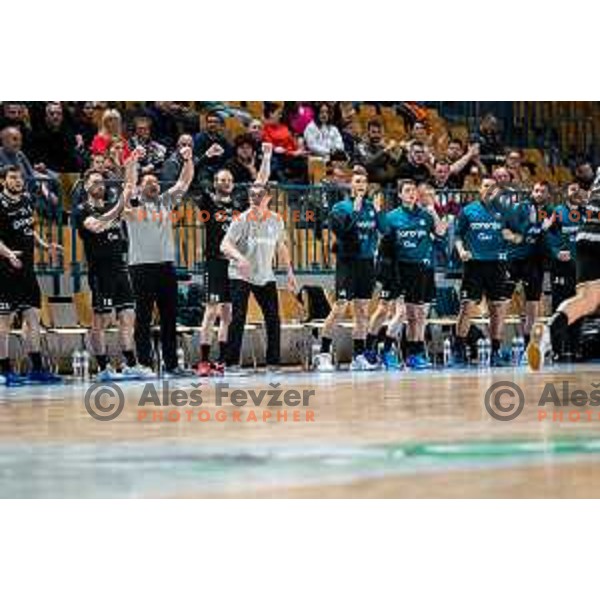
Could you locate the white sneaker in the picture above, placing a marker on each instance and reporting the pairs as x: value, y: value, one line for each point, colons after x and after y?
x: 323, y: 363
x: 236, y: 371
x: 539, y: 346
x: 137, y: 372
x: 109, y: 374
x: 360, y: 363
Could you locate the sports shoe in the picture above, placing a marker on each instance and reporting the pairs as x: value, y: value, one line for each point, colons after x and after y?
x: 44, y: 377
x: 108, y: 374
x: 137, y: 372
x: 203, y: 369
x: 418, y: 362
x: 390, y: 361
x: 497, y: 360
x: 176, y: 373
x: 539, y: 346
x: 361, y: 363
x: 323, y: 363
x: 274, y: 370
x: 217, y: 369
x: 236, y: 371
x: 12, y: 379
x: 373, y: 358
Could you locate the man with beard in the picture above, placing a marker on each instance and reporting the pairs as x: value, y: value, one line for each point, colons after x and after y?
x: 19, y: 291
x: 105, y: 246
x: 482, y: 232
x: 152, y: 262
x: 250, y: 245
x: 526, y: 259
x: 218, y: 210
x: 567, y: 219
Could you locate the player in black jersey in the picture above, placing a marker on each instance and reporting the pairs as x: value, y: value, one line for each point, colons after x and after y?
x: 105, y: 244
x: 19, y: 289
x: 547, y: 338
x: 218, y: 208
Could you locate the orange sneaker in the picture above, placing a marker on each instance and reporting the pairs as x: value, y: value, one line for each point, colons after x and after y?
x: 203, y: 369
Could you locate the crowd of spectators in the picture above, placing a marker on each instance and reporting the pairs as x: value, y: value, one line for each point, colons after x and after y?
x: 48, y: 138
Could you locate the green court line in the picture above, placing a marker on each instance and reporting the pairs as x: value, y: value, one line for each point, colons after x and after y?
x: 147, y: 469
x: 500, y: 448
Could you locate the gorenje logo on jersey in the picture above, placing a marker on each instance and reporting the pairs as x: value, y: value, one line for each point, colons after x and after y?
x: 487, y: 226
x: 407, y: 233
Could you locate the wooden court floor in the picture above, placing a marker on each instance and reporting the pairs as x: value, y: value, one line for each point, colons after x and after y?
x: 364, y: 435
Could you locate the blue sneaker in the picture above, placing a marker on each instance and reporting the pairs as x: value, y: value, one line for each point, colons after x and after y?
x: 373, y: 358
x: 390, y: 361
x: 418, y: 362
x: 11, y: 379
x: 498, y: 360
x: 44, y: 377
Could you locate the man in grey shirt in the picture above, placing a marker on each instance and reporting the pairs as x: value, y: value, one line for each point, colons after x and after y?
x: 251, y: 243
x: 151, y: 262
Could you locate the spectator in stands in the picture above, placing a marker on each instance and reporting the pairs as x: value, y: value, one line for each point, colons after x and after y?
x: 288, y: 162
x: 114, y: 157
x: 350, y: 139
x: 502, y: 176
x: 277, y: 133
x: 336, y: 185
x: 338, y: 159
x: 155, y: 153
x: 461, y: 163
x: 321, y: 137
x: 110, y: 130
x: 519, y: 174
x: 380, y: 158
x: 12, y: 155
x: 255, y: 129
x: 211, y: 148
x: 441, y: 174
x: 490, y: 144
x: 244, y: 165
x: 53, y: 141
x: 85, y: 128
x: 170, y: 120
x: 16, y: 114
x: 43, y: 186
x: 584, y: 175
x: 297, y: 116
x: 85, y: 124
x: 419, y: 134
x: 415, y: 165
x: 172, y: 167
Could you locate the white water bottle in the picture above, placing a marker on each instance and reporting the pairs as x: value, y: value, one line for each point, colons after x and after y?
x: 481, y: 352
x: 515, y: 351
x: 180, y: 358
x: 76, y: 363
x: 85, y: 365
x: 315, y: 349
x: 447, y: 358
x: 487, y: 346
